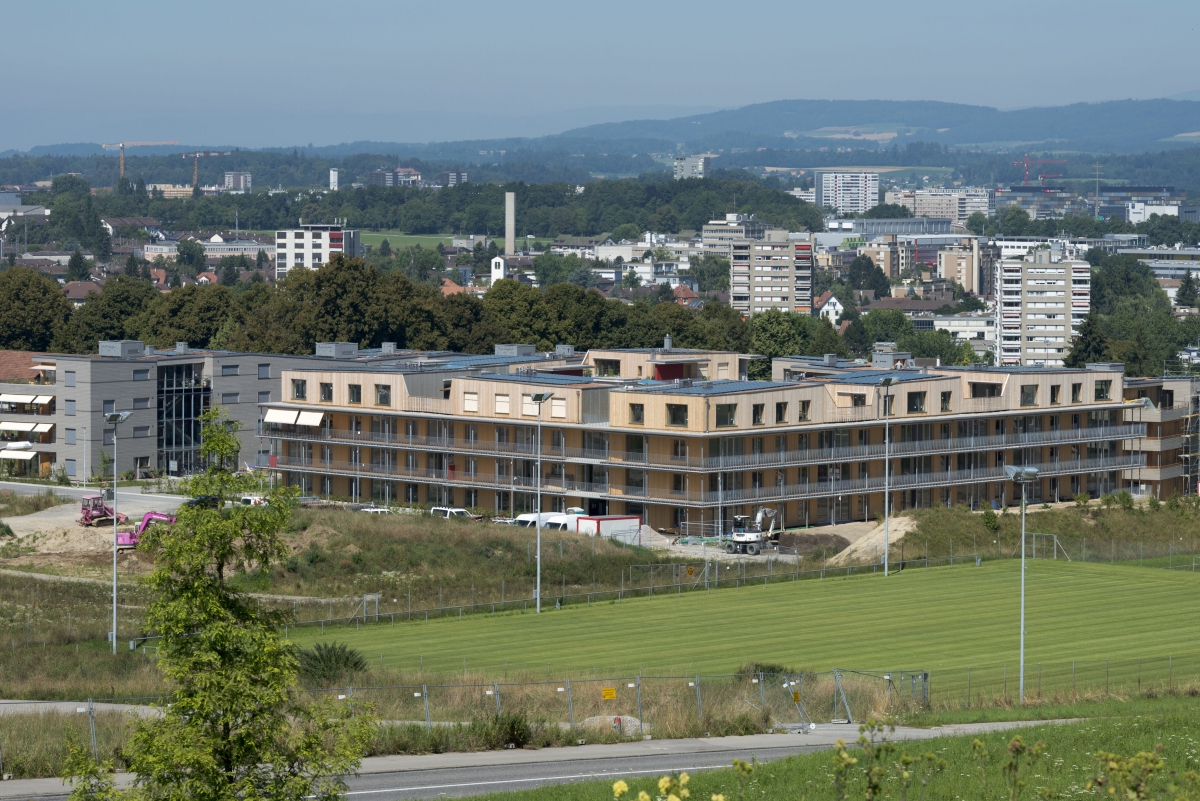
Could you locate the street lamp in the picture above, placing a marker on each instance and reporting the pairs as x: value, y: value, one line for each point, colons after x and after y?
x: 539, y: 398
x: 115, y: 419
x: 886, y: 383
x: 1022, y: 476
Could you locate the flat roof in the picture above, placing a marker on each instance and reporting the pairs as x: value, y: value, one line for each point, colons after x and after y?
x: 873, y: 377
x: 549, y: 379
x: 718, y: 387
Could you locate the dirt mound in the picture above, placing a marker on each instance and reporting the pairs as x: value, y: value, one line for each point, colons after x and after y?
x: 808, y: 544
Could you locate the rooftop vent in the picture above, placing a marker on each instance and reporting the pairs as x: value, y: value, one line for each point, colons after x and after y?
x: 667, y: 342
x: 181, y: 347
x: 831, y: 360
x: 515, y: 350
x: 122, y: 348
x: 388, y: 348
x: 566, y: 351
x: 337, y: 350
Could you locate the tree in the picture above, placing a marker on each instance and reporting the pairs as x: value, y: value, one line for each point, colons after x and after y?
x: 1095, y: 255
x: 864, y: 274
x: 385, y: 248
x: 825, y: 339
x: 977, y: 223
x: 1014, y: 221
x: 887, y: 211
x: 261, y: 260
x: 77, y: 267
x: 711, y: 273
x: 772, y: 334
x: 857, y: 338
x: 228, y: 270
x: 193, y: 314
x: 583, y: 276
x: 32, y: 309
x: 940, y: 344
x: 886, y: 325
x: 133, y: 266
x: 631, y: 280
x: 626, y: 231
x: 1122, y: 276
x: 1089, y: 346
x: 1186, y: 294
x: 236, y: 725
x: 111, y: 313
x: 189, y: 256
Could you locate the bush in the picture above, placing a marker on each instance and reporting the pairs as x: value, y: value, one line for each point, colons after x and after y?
x: 327, y: 663
x: 1125, y: 500
x: 768, y: 669
x: 990, y: 521
x: 1082, y: 500
x: 6, y: 530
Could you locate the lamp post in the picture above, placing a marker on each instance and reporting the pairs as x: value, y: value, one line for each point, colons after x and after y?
x: 539, y: 398
x: 886, y: 383
x: 115, y: 419
x: 1022, y: 476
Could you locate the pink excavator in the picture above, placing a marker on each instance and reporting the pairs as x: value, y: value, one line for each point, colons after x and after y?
x: 130, y: 539
x: 95, y: 512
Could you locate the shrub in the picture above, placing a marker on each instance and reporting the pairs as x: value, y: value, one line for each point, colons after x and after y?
x: 1154, y: 503
x: 990, y: 521
x: 1124, y: 500
x: 6, y: 530
x: 327, y: 663
x: 1082, y: 500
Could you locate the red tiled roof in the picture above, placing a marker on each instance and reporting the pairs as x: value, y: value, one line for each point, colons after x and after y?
x: 16, y: 364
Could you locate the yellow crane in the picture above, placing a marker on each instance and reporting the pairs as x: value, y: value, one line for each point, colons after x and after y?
x: 124, y: 145
x: 195, y: 157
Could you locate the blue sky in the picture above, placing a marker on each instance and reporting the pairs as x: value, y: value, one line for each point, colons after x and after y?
x: 273, y: 73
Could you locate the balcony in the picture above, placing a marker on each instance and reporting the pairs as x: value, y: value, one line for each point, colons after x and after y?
x: 429, y: 405
x: 993, y: 404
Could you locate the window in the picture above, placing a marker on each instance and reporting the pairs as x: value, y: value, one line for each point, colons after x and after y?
x: 781, y: 412
x: 264, y: 371
x: 858, y: 400
x: 326, y: 392
x: 109, y: 435
x: 528, y: 406
x: 501, y: 404
x: 916, y: 402
x: 979, y: 390
x: 637, y: 414
x: 1076, y: 392
x: 355, y: 393
x: 558, y: 407
x: 110, y: 407
x: 757, y: 412
x: 726, y: 414
x: 264, y: 397
x: 1055, y: 392
x: 1103, y: 390
x: 141, y: 431
x: 141, y: 375
x: 141, y: 403
x: 299, y: 389
x: 228, y: 398
x: 804, y: 407
x: 69, y: 378
x: 677, y: 483
x: 677, y: 414
x: 383, y: 394
x: 70, y: 436
x: 71, y: 467
x: 70, y: 410
x: 946, y: 401
x: 1029, y: 395
x: 229, y: 369
x: 470, y: 401
x: 608, y: 367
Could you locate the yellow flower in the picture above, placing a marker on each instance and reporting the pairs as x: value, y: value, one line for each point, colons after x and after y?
x: 664, y: 784
x: 643, y: 795
x: 685, y: 792
x: 683, y: 779
x: 718, y: 797
x: 620, y: 788
x: 672, y: 797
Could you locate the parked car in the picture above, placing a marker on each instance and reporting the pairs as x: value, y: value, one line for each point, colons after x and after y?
x: 453, y: 511
x: 203, y: 502
x: 376, y: 510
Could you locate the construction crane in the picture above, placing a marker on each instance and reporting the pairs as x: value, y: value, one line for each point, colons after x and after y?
x: 124, y: 145
x: 1027, y: 162
x: 1046, y: 175
x: 195, y: 157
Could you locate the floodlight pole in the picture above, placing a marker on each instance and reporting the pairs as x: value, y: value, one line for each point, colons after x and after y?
x: 1021, y: 668
x: 539, y: 398
x: 116, y: 419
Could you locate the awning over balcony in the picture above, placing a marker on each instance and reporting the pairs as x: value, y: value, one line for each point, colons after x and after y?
x: 42, y: 428
x: 310, y: 418
x: 280, y: 416
x: 23, y: 456
x: 6, y: 426
x: 7, y: 398
x: 40, y: 399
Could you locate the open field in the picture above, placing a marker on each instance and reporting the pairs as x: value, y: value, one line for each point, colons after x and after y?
x: 399, y: 239
x: 944, y: 620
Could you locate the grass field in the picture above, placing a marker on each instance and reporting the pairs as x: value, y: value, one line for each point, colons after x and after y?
x: 399, y: 239
x: 944, y: 620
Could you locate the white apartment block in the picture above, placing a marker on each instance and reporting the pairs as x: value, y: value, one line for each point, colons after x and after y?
x: 847, y: 192
x: 693, y: 166
x: 767, y: 268
x: 1040, y: 306
x: 238, y: 182
x: 312, y: 245
x: 955, y: 204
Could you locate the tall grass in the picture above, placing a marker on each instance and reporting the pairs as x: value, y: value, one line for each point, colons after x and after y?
x: 14, y: 505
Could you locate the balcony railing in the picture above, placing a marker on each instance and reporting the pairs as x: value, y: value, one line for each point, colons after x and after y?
x: 769, y: 494
x: 792, y: 458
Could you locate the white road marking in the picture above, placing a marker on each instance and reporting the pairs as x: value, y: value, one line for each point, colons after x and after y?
x: 535, y: 779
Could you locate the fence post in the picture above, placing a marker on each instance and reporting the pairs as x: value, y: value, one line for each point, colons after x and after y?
x: 1106, y: 677
x: 570, y: 706
x: 699, y: 704
x: 641, y: 724
x: 762, y: 693
x: 968, y: 688
x: 425, y: 695
x: 92, y: 727
x: 496, y: 692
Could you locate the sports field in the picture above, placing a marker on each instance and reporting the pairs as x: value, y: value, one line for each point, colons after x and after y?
x: 944, y: 620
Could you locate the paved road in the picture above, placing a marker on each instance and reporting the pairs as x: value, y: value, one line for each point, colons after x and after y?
x: 434, y: 775
x: 126, y: 494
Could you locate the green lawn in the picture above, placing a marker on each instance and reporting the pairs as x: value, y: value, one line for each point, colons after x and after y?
x: 945, y: 620
x: 399, y: 239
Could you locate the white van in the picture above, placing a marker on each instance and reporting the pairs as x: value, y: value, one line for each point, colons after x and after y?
x: 529, y: 520
x: 452, y: 511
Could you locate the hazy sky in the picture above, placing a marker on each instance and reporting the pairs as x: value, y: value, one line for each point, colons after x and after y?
x: 273, y: 73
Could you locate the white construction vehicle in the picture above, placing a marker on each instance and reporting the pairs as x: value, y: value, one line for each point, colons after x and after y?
x: 747, y: 535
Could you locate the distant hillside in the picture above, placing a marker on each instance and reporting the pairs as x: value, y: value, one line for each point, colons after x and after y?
x: 1116, y: 126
